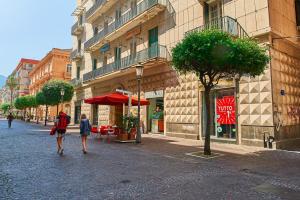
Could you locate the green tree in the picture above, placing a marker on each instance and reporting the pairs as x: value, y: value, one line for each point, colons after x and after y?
x: 52, y: 92
x: 12, y: 85
x: 5, y: 107
x: 213, y: 55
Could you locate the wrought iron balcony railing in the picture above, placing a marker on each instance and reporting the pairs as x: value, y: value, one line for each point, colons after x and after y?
x: 92, y: 10
x: 76, y: 82
x: 77, y: 29
x: 77, y: 54
x: 226, y: 24
x: 126, y: 18
x: 156, y: 51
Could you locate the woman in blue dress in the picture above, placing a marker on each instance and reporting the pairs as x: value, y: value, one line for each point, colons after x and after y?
x: 85, y: 129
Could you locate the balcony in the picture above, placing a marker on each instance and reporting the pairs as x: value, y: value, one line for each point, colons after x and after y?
x: 146, y: 10
x: 77, y: 55
x: 77, y: 29
x: 226, y: 24
x: 152, y: 56
x: 76, y: 82
x: 99, y: 8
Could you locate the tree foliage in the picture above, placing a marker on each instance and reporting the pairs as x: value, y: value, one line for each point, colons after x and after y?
x: 5, y: 107
x: 12, y: 85
x: 24, y: 102
x: 40, y: 99
x: 213, y: 55
x: 52, y: 92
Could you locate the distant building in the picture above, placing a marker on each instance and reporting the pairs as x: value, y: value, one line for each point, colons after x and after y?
x: 55, y: 65
x: 21, y: 74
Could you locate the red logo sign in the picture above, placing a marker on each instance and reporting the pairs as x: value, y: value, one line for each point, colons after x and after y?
x: 226, y: 110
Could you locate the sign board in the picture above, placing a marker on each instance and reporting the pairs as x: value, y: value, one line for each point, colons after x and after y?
x: 105, y: 48
x: 225, y: 109
x: 154, y: 94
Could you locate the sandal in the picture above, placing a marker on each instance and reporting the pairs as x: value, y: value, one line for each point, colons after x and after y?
x: 61, y: 152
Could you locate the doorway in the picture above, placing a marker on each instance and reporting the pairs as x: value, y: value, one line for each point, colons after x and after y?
x: 77, y: 112
x: 155, y: 115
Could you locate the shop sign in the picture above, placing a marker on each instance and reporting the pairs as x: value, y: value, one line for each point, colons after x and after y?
x: 105, y: 48
x: 154, y: 94
x: 226, y: 110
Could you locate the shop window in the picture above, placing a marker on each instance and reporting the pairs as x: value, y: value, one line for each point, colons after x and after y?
x: 222, y: 110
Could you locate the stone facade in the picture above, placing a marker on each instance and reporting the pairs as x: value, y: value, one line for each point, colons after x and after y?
x: 100, y: 32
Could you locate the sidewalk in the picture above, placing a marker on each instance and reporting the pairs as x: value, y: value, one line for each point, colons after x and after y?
x: 198, y: 145
x: 165, y: 144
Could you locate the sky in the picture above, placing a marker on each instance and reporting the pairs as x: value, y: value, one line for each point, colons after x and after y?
x: 31, y: 28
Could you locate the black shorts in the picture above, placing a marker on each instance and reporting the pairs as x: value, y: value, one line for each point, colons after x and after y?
x: 61, y: 131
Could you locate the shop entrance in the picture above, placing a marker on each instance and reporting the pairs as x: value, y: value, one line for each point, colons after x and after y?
x: 155, y: 112
x: 77, y: 112
x: 223, y: 112
x: 95, y: 114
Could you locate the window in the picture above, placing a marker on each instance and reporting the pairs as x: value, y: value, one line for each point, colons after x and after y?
x: 79, y: 45
x: 297, y: 7
x: 104, y: 60
x: 133, y: 49
x: 78, y: 72
x: 80, y: 20
x: 118, y: 17
x: 69, y: 68
x: 118, y: 56
x: 94, y: 64
x: 133, y: 6
x: 96, y: 30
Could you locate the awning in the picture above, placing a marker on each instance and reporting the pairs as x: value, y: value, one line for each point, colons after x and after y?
x: 115, y: 99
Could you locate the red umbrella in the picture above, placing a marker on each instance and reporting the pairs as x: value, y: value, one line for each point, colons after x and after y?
x: 115, y: 99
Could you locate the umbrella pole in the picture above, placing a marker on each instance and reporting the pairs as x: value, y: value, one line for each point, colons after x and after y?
x: 129, y: 105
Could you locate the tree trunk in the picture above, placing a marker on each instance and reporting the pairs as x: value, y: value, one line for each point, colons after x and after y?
x: 11, y: 99
x: 57, y: 109
x: 207, y: 150
x: 36, y: 115
x: 46, y: 115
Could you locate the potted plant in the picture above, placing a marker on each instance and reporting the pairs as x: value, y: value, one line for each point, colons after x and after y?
x: 129, y: 128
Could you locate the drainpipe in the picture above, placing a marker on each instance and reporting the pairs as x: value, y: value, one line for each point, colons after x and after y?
x: 237, y: 97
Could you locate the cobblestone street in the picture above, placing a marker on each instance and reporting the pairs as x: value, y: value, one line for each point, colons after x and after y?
x: 31, y: 169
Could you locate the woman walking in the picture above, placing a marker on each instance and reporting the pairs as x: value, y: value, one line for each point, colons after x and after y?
x: 85, y: 129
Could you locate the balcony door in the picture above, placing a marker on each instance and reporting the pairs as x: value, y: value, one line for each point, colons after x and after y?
x: 133, y: 51
x: 153, y: 42
x: 118, y: 57
x: 133, y: 6
x: 79, y: 45
x: 118, y: 16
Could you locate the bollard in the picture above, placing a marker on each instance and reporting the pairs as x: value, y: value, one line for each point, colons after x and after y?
x: 265, y: 141
x: 270, y: 141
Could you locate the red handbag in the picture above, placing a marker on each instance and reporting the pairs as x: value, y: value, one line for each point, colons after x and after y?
x: 53, y: 130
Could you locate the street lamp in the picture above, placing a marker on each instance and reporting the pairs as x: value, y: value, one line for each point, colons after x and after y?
x: 62, y: 93
x: 139, y: 73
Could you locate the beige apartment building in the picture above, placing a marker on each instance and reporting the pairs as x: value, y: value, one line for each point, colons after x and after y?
x: 21, y: 74
x: 111, y: 37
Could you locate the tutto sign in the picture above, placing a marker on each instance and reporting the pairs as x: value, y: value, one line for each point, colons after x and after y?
x: 226, y: 110
x: 154, y: 94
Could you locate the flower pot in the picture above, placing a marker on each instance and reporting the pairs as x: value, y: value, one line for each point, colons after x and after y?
x: 123, y: 136
x: 132, y: 134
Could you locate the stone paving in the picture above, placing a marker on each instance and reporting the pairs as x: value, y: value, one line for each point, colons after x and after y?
x: 157, y: 169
